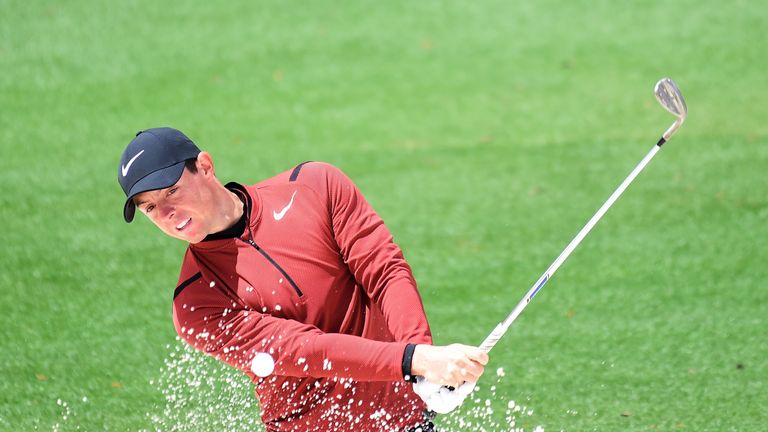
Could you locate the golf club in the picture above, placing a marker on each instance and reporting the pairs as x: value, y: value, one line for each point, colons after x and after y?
x: 670, y: 97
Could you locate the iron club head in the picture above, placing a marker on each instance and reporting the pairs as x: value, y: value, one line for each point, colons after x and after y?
x: 669, y: 96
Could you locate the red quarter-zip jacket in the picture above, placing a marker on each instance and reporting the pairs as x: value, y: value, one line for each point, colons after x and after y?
x: 316, y: 282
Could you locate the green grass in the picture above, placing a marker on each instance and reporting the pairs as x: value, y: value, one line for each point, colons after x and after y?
x: 485, y: 133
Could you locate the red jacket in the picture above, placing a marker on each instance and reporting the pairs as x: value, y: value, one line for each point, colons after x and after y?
x: 316, y: 281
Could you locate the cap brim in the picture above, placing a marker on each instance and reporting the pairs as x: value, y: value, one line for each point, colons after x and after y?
x: 159, y: 179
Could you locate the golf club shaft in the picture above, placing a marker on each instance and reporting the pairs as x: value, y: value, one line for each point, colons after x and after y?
x: 500, y: 329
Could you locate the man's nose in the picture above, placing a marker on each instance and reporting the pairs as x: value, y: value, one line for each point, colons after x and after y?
x: 167, y: 211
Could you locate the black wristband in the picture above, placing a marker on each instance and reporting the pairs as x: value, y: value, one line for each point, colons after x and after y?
x: 407, y: 360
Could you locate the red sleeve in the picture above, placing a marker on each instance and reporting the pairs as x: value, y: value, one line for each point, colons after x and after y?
x: 374, y: 259
x: 224, y: 328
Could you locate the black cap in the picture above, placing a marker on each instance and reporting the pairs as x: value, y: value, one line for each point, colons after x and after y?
x: 153, y: 160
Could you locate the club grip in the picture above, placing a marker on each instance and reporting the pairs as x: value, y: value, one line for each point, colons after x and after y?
x: 493, y: 338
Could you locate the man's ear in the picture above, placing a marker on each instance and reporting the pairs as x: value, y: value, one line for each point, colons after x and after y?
x: 205, y: 164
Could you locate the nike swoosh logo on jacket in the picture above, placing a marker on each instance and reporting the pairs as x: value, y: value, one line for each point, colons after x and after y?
x: 279, y: 215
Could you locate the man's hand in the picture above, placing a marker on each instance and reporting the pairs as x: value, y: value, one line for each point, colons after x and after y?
x: 451, y: 365
x: 446, y: 375
x: 441, y: 399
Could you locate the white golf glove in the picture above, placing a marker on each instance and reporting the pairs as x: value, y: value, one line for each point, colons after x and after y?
x: 441, y: 399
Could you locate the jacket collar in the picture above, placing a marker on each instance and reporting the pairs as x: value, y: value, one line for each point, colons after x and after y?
x: 252, y: 210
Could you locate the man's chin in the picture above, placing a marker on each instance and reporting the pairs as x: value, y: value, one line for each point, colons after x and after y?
x: 191, y: 238
x: 195, y: 241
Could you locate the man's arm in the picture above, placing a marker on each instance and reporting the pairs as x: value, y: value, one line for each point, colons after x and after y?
x: 218, y: 324
x: 373, y: 257
x: 378, y: 264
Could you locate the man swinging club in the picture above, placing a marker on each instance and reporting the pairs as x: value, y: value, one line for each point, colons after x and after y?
x: 297, y: 282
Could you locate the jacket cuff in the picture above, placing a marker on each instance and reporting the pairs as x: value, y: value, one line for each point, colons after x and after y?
x: 407, y: 360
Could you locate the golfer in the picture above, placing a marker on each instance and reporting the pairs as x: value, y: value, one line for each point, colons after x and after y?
x: 297, y: 282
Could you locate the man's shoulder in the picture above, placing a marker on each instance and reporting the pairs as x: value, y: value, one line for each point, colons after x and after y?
x: 310, y: 173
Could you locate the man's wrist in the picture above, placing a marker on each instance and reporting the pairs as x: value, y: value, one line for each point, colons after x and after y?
x: 408, y: 362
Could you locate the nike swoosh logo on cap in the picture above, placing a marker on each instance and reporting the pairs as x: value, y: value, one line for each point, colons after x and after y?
x: 127, y: 166
x: 279, y: 215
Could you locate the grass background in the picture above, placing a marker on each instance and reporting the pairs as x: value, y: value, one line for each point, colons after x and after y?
x: 485, y: 133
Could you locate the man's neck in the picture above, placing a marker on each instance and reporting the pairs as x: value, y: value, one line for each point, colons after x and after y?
x: 231, y: 209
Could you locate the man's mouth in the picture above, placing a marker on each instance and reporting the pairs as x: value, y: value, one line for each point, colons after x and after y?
x: 184, y: 224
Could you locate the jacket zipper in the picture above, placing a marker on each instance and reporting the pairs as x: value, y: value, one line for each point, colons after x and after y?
x: 277, y: 266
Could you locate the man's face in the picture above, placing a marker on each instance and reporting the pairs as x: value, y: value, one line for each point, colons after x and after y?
x: 184, y: 210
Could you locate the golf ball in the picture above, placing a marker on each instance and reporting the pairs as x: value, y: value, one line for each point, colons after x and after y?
x: 262, y: 364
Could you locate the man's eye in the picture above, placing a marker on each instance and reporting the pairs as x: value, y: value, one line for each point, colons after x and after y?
x: 172, y: 191
x: 149, y: 208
